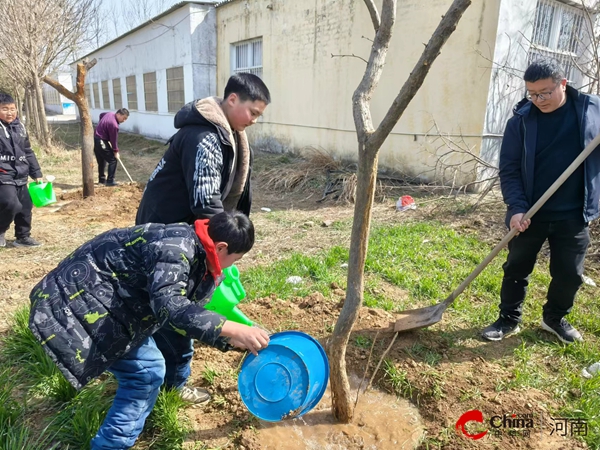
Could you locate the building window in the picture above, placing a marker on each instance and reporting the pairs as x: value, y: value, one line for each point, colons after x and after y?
x: 175, y: 89
x: 150, y: 92
x: 88, y: 94
x: 246, y: 56
x: 51, y: 97
x: 96, y: 96
x: 131, y: 86
x: 105, y: 96
x: 558, y: 33
x: 117, y: 98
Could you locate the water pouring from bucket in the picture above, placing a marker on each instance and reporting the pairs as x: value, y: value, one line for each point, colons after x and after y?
x: 287, y: 379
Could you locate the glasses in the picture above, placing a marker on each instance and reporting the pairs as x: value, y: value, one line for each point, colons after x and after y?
x: 541, y: 97
x: 6, y: 110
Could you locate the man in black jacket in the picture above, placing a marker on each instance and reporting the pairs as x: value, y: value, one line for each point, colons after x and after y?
x: 206, y: 170
x: 17, y: 163
x: 546, y: 134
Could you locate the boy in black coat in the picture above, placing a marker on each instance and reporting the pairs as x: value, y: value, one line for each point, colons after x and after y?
x: 17, y: 163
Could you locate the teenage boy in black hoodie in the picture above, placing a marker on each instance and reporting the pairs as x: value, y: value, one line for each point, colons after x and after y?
x: 206, y: 170
x: 17, y: 163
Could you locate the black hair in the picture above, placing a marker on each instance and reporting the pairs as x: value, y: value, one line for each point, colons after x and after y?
x: 6, y: 99
x: 123, y: 112
x: 234, y: 228
x: 248, y: 87
x: 542, y: 69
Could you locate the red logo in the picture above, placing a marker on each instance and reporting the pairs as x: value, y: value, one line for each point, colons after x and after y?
x: 470, y: 416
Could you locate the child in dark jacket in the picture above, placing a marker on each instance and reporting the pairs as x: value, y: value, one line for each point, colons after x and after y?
x: 100, y: 307
x: 17, y: 163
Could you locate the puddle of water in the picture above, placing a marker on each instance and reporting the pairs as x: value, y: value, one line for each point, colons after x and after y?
x: 381, y: 421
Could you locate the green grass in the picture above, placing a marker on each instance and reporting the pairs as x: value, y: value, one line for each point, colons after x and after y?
x: 425, y: 260
x: 428, y: 261
x: 29, y: 380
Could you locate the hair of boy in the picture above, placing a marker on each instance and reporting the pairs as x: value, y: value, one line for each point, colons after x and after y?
x: 123, y: 112
x: 234, y: 228
x: 248, y: 87
x: 543, y: 69
x: 6, y: 99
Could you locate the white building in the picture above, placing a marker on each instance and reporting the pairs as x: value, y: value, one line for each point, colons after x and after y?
x: 56, y: 102
x: 154, y: 69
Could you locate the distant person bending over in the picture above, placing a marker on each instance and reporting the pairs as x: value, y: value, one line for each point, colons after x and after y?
x: 99, y: 309
x: 17, y: 163
x: 105, y: 144
x: 205, y: 170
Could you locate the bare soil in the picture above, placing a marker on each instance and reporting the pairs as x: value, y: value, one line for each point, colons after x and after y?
x: 435, y: 403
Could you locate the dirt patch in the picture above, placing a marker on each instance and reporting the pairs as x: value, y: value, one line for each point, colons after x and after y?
x: 437, y: 393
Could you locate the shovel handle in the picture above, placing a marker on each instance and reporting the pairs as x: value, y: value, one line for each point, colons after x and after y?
x: 123, y: 166
x: 551, y: 190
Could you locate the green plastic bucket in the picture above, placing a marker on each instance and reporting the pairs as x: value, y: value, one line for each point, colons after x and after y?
x: 41, y: 194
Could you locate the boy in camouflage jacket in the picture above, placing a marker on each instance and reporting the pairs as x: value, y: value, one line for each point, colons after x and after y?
x: 98, y: 309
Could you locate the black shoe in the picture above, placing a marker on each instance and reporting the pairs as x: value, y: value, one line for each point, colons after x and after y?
x: 111, y: 183
x: 562, y: 329
x: 26, y: 242
x: 101, y: 181
x: 2, y: 240
x: 500, y: 329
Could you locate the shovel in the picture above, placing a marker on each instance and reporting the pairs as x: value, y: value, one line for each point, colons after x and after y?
x: 123, y: 166
x: 424, y: 317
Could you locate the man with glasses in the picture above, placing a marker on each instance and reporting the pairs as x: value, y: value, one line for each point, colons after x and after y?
x: 548, y: 131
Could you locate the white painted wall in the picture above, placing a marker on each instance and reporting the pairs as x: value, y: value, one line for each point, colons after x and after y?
x: 65, y: 106
x: 312, y: 92
x: 515, y: 29
x: 184, y: 37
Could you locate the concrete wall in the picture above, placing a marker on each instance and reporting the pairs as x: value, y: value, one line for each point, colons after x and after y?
x: 185, y: 37
x: 312, y: 91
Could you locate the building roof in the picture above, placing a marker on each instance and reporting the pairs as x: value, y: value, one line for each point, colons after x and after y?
x: 224, y: 2
x: 148, y: 22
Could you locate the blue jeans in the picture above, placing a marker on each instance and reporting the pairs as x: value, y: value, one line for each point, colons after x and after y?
x: 177, y: 351
x: 140, y: 374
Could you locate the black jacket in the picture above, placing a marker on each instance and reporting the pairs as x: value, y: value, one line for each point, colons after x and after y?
x: 119, y: 288
x: 205, y: 170
x: 517, y: 156
x: 17, y: 160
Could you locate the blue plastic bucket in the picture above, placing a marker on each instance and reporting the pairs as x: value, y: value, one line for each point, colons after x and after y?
x: 287, y: 379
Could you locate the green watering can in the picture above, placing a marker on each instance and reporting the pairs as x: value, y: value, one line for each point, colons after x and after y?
x: 42, y: 194
x: 227, y: 295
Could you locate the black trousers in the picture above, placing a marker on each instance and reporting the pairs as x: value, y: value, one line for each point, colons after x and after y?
x: 15, y: 204
x: 568, y: 240
x: 105, y: 155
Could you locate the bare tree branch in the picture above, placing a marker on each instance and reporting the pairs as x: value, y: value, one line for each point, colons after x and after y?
x: 349, y: 56
x: 417, y: 76
x: 374, y: 14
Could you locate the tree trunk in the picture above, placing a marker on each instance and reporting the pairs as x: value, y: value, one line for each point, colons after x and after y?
x: 87, y: 129
x: 370, y: 141
x: 365, y: 194
x: 87, y: 147
x: 43, y: 122
x: 34, y: 124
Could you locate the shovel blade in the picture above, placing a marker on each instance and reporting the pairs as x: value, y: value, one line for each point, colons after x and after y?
x: 420, y: 318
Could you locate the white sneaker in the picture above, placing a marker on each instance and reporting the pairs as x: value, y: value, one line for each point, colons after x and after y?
x: 195, y: 396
